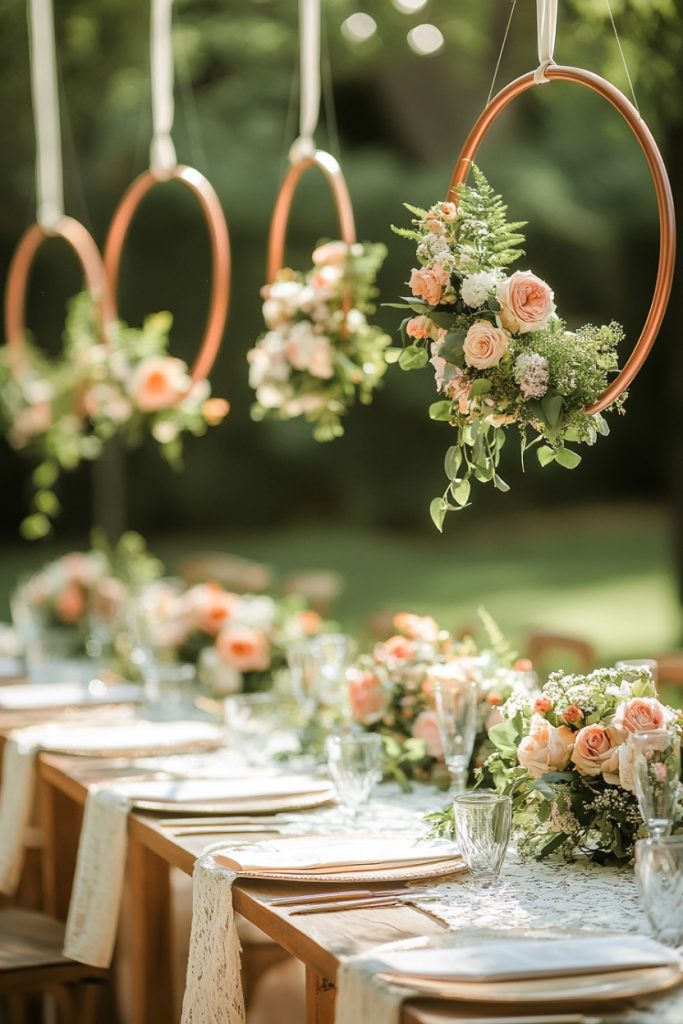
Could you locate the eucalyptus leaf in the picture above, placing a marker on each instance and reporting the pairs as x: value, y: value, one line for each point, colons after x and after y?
x: 437, y: 510
x: 440, y: 410
x: 567, y: 458
x: 452, y: 462
x: 413, y: 358
x: 481, y: 386
x: 552, y: 409
x: 461, y: 492
x: 545, y: 455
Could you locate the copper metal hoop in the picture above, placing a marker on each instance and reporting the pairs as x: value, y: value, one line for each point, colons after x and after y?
x: 665, y: 207
x: 211, y: 207
x: 85, y: 248
x: 331, y: 171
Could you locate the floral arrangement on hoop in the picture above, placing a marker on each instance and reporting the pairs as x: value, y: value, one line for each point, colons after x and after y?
x: 237, y: 641
x: 501, y: 355
x: 63, y: 411
x: 564, y: 759
x: 319, y: 352
x: 391, y: 691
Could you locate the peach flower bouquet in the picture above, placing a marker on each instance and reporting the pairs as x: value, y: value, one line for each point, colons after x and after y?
x: 564, y: 758
x: 501, y: 355
x: 63, y: 411
x: 320, y: 352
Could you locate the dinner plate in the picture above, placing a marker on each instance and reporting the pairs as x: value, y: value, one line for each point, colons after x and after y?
x: 259, y: 805
x: 54, y: 696
x: 230, y: 796
x: 578, y: 989
x: 132, y: 738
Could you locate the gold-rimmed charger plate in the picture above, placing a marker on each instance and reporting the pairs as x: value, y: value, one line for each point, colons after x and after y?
x: 578, y: 989
x: 130, y: 739
x: 259, y: 805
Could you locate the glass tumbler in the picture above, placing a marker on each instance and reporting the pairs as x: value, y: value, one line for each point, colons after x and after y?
x: 456, y: 710
x: 482, y: 830
x: 655, y: 759
x: 355, y: 762
x: 659, y: 877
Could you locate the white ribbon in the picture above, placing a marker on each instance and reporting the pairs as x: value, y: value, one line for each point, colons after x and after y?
x: 546, y: 25
x: 309, y: 85
x: 162, y: 155
x: 45, y: 98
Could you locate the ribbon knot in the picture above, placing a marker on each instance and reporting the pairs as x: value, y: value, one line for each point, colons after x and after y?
x: 309, y: 73
x: 546, y: 27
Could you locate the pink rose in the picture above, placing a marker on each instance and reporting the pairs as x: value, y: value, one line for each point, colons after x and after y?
x: 159, y: 382
x: 485, y: 345
x: 367, y: 697
x: 71, y: 603
x: 244, y: 648
x: 595, y: 752
x: 426, y: 727
x: 641, y: 714
x: 429, y: 285
x: 211, y: 607
x: 526, y: 302
x: 420, y: 327
x: 396, y: 648
x: 416, y: 627
x: 546, y: 748
x: 331, y: 253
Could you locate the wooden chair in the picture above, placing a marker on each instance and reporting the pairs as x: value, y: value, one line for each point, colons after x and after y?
x: 670, y: 669
x: 541, y: 648
x: 232, y: 572
x: 31, y: 963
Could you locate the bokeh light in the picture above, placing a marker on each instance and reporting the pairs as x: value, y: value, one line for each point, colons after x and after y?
x: 409, y: 6
x: 425, y: 40
x: 358, y: 27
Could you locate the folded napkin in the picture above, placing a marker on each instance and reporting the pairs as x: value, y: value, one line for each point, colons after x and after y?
x: 362, y: 996
x: 48, y: 696
x: 236, y: 790
x: 16, y: 804
x: 506, y: 959
x: 332, y: 855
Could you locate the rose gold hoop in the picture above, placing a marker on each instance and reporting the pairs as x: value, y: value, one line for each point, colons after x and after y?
x: 211, y: 207
x: 331, y: 172
x: 665, y: 207
x: 83, y: 245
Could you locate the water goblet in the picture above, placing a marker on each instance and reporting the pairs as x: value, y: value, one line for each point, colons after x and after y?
x: 659, y: 877
x: 301, y: 660
x: 655, y: 759
x: 254, y: 726
x: 482, y: 830
x: 457, y: 698
x: 355, y: 762
x: 169, y: 691
x: 331, y: 655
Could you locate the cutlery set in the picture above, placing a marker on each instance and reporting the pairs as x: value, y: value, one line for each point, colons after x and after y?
x: 359, y: 899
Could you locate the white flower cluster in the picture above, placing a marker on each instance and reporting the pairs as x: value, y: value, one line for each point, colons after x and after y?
x: 588, y: 692
x: 532, y: 375
x: 476, y: 288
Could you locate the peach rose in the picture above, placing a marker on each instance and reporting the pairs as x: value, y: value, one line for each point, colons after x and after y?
x: 244, y: 648
x: 572, y: 713
x: 71, y: 604
x: 429, y: 284
x: 214, y: 410
x: 546, y: 748
x: 485, y: 345
x: 640, y: 714
x: 331, y: 252
x: 426, y: 727
x: 396, y: 648
x: 309, y: 621
x: 526, y: 302
x: 159, y: 382
x: 420, y: 327
x: 542, y: 705
x: 34, y: 419
x: 327, y: 277
x: 416, y: 627
x: 367, y: 698
x: 211, y: 606
x: 595, y: 752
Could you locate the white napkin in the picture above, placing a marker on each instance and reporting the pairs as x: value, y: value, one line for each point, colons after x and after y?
x: 239, y: 788
x: 16, y: 804
x: 213, y: 986
x: 324, y: 854
x: 37, y: 696
x: 98, y: 881
x: 361, y: 996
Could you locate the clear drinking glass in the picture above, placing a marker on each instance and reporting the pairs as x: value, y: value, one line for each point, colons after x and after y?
x: 639, y: 663
x: 254, y: 725
x: 355, y: 762
x: 331, y: 655
x: 456, y: 710
x: 655, y: 758
x: 169, y: 691
x: 659, y: 876
x: 482, y: 831
x: 301, y: 659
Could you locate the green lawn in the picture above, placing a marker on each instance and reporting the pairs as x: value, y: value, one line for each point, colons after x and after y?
x: 602, y: 573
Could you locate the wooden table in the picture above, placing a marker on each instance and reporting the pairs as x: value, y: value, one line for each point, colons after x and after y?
x: 319, y: 940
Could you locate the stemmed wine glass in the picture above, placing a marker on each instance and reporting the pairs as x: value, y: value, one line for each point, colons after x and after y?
x: 655, y: 758
x: 456, y: 700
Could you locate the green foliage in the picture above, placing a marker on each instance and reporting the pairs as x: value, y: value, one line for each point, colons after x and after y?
x: 497, y: 245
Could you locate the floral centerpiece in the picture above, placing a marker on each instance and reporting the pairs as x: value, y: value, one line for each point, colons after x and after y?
x: 564, y: 759
x: 237, y: 641
x: 501, y: 355
x: 62, y: 411
x: 391, y: 691
x: 319, y: 352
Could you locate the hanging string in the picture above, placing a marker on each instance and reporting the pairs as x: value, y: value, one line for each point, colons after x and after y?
x: 45, y: 99
x: 194, y: 128
x: 328, y: 96
x: 162, y: 155
x: 309, y: 79
x: 290, y: 118
x: 70, y: 162
x: 623, y: 56
x: 500, y: 55
x: 546, y: 28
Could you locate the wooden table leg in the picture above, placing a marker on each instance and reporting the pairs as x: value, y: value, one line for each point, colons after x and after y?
x: 320, y: 997
x: 150, y: 937
x: 60, y: 819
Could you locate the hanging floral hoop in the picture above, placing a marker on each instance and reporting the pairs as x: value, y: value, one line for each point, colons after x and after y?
x: 331, y: 172
x: 83, y: 245
x: 665, y: 206
x: 210, y: 205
